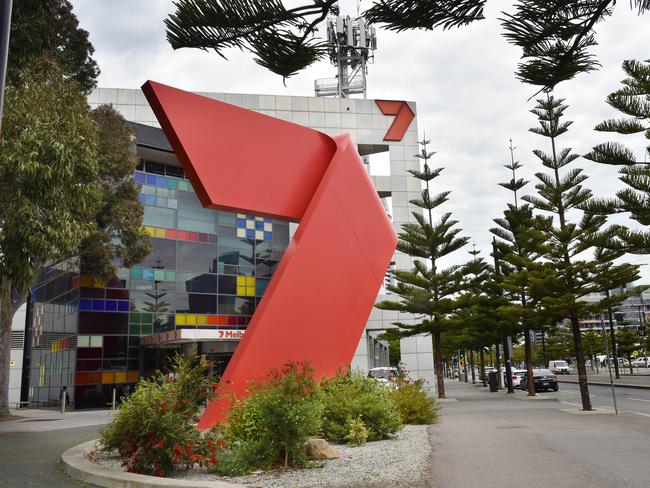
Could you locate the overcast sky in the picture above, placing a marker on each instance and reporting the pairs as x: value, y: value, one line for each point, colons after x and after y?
x: 468, y: 100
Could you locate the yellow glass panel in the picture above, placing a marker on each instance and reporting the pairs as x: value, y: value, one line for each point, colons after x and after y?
x: 250, y: 291
x: 120, y: 377
x: 250, y: 281
x: 160, y: 232
x: 241, y: 290
x: 86, y: 281
x: 181, y: 319
x: 150, y: 230
x: 133, y: 377
x: 191, y: 319
x: 201, y: 320
x: 241, y: 281
x: 108, y: 377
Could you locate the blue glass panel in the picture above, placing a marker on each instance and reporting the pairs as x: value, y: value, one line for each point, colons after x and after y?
x: 139, y: 177
x: 250, y: 217
x: 147, y: 274
x: 150, y: 179
x: 268, y: 219
x: 85, y: 304
x: 98, y: 304
x: 259, y: 225
x: 123, y: 306
x: 111, y: 305
x: 161, y: 181
x: 250, y: 233
x: 149, y: 200
x: 141, y: 197
x: 268, y: 236
x: 241, y: 223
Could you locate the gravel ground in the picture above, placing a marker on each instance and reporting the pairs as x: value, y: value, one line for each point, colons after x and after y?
x: 398, y: 462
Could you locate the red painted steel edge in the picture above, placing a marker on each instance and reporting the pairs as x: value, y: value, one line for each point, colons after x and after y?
x: 319, y: 299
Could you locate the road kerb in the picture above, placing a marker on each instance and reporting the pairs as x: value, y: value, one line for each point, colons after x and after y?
x: 79, y: 468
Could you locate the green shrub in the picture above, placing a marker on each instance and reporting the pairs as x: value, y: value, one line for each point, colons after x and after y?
x: 357, y: 397
x: 413, y: 404
x: 271, y: 426
x: 154, y: 429
x: 357, y: 433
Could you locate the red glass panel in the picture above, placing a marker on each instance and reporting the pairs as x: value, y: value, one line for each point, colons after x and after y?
x: 182, y: 235
x: 81, y: 378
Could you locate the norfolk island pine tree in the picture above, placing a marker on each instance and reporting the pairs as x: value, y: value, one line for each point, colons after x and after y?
x: 426, y: 291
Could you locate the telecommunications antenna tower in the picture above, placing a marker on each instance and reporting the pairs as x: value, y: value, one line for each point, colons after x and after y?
x: 352, y: 44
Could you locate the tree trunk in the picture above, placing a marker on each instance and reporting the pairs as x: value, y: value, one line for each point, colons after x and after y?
x: 580, y: 363
x: 437, y: 363
x: 498, y: 361
x: 471, y: 358
x: 6, y: 315
x: 530, y: 378
x: 482, y: 359
x: 508, y: 361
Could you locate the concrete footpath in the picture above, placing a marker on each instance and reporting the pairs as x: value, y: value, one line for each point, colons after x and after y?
x: 640, y: 380
x: 496, y: 440
x: 42, y: 420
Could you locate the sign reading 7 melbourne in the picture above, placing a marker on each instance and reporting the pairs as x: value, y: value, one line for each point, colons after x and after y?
x: 319, y: 299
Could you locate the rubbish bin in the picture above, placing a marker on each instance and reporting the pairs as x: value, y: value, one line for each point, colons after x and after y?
x: 492, y: 379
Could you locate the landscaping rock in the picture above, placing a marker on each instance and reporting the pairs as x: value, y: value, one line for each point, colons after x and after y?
x: 320, y: 449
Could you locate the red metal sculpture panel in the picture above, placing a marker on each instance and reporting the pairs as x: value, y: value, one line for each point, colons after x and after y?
x: 403, y: 117
x: 319, y: 299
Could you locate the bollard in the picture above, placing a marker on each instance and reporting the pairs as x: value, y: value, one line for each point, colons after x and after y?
x: 64, y: 398
x: 113, y: 407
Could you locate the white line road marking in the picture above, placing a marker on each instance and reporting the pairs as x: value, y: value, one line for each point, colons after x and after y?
x: 638, y: 399
x: 569, y: 403
x: 570, y: 392
x: 640, y: 413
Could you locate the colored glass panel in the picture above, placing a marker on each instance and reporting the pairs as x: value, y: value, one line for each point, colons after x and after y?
x: 181, y: 319
x: 120, y: 377
x: 133, y: 377
x: 108, y: 377
x: 201, y: 320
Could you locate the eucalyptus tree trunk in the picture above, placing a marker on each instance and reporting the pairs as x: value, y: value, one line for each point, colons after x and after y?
x: 6, y: 315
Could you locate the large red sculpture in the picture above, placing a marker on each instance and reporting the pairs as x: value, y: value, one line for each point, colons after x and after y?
x: 319, y: 299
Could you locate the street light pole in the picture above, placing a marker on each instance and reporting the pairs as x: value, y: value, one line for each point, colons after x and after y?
x: 5, y: 25
x: 609, y: 365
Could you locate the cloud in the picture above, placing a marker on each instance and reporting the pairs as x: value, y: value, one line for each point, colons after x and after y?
x: 468, y: 100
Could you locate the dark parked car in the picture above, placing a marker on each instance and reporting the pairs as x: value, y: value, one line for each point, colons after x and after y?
x: 544, y: 380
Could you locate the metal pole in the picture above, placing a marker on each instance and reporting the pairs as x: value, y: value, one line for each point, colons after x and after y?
x: 64, y: 398
x: 5, y: 25
x: 114, y: 402
x: 611, y: 331
x: 609, y: 366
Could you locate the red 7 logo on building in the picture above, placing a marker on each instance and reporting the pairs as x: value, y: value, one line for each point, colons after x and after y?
x: 403, y: 117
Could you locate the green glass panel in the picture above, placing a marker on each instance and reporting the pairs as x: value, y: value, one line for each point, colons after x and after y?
x: 135, y: 318
x: 136, y: 273
x: 134, y: 329
x: 147, y: 329
x: 183, y: 185
x: 159, y: 275
x: 172, y: 183
x: 170, y: 275
x: 147, y: 318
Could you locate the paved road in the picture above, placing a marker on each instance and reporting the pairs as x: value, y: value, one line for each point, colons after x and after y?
x: 495, y: 440
x: 30, y: 459
x: 630, y: 400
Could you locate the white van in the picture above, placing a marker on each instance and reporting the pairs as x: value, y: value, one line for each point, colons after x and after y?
x: 558, y: 367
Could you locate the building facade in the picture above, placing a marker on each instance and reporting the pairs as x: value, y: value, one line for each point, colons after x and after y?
x: 208, y: 269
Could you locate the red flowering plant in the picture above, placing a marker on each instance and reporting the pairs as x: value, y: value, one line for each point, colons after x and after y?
x: 154, y: 431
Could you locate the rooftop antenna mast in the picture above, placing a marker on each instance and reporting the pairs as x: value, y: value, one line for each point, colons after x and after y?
x: 352, y: 43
